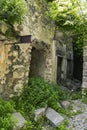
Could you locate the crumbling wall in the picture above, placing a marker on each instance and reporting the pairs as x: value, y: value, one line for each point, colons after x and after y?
x: 64, y: 55
x: 15, y: 58
x: 14, y: 67
x: 42, y: 63
x: 84, y: 80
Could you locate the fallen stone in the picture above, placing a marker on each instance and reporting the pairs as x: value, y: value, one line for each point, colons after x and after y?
x: 19, y: 121
x: 55, y: 118
x: 39, y: 113
x: 65, y: 104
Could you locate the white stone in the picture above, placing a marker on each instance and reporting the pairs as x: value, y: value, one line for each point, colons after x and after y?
x: 18, y: 88
x: 18, y: 66
x: 55, y: 118
x: 18, y: 74
x: 39, y: 113
x: 20, y: 121
x: 65, y: 104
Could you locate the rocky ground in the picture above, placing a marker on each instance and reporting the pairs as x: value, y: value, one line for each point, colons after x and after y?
x: 78, y: 120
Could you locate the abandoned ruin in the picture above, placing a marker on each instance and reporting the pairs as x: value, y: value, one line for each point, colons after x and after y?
x: 40, y: 51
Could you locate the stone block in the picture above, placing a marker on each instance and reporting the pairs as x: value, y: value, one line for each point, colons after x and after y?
x: 55, y: 118
x: 84, y: 79
x: 20, y: 121
x: 39, y: 113
x: 65, y: 104
x: 18, y: 67
x: 1, y: 89
x: 85, y: 72
x: 85, y: 65
x: 18, y: 74
x: 18, y: 88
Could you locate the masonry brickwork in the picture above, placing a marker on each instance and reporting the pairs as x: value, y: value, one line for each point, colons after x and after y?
x: 19, y: 62
x: 84, y: 80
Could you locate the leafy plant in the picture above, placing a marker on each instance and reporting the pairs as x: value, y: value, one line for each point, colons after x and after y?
x: 70, y: 16
x: 63, y: 125
x: 12, y: 11
x: 76, y: 95
x: 84, y: 94
x: 38, y: 93
x: 6, y: 121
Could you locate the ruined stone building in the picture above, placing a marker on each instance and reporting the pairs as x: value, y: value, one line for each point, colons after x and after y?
x: 46, y: 53
x: 84, y: 78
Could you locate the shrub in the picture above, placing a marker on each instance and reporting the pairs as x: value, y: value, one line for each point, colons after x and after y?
x: 6, y: 121
x: 38, y: 93
x: 12, y: 10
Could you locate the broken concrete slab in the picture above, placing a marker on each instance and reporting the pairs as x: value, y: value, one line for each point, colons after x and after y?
x: 39, y: 113
x: 19, y: 121
x: 55, y: 118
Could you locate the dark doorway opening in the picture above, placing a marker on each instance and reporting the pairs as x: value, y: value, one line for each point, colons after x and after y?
x: 59, y: 67
x: 69, y: 69
x: 37, y: 65
x: 78, y: 60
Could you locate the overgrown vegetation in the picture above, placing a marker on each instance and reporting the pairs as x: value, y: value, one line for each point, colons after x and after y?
x: 70, y: 16
x: 36, y: 94
x: 12, y: 12
x: 84, y: 96
x: 6, y: 121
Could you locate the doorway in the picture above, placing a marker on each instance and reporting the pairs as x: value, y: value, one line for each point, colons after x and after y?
x: 59, y: 67
x: 69, y: 68
x: 37, y: 65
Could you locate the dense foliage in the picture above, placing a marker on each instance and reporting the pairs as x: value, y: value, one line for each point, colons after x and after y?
x: 36, y: 94
x: 69, y: 15
x: 12, y: 11
x: 6, y: 121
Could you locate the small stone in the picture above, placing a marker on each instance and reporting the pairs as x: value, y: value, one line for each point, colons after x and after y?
x: 20, y: 121
x: 65, y: 104
x: 18, y: 88
x: 74, y: 110
x: 55, y: 118
x: 39, y: 113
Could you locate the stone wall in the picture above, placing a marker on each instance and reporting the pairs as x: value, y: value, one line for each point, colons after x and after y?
x: 36, y: 22
x: 15, y: 59
x: 84, y: 80
x: 14, y: 67
x: 42, y: 63
x: 64, y: 56
x: 18, y: 62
